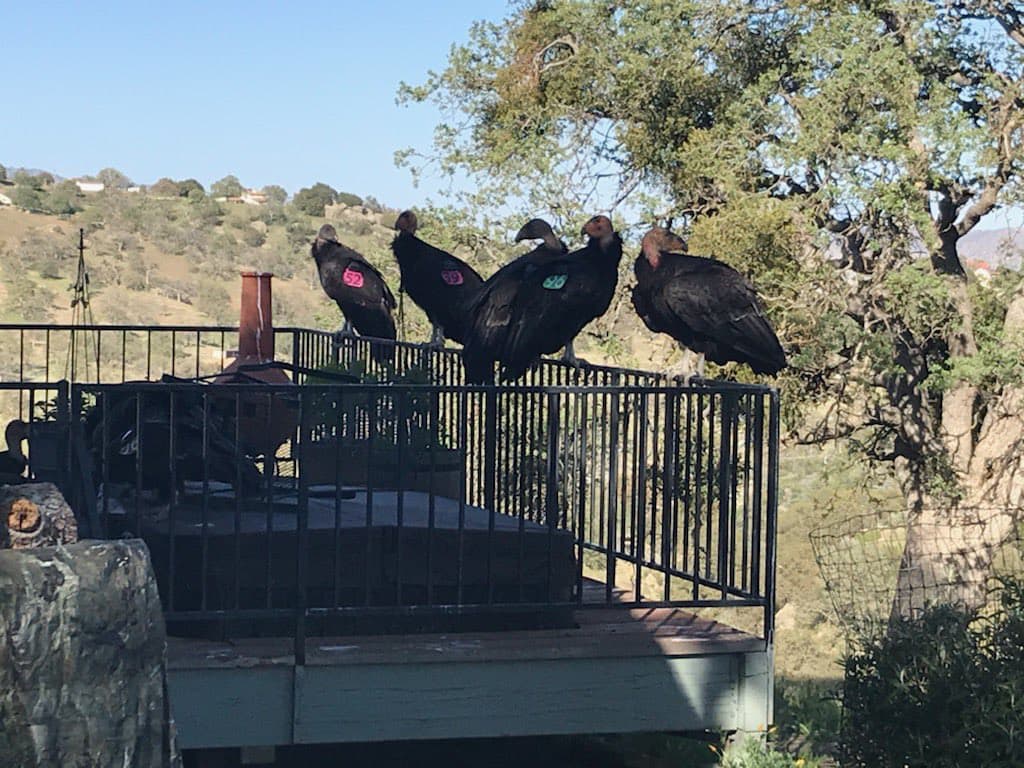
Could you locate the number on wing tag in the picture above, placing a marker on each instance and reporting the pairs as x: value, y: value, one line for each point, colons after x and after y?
x: 353, y: 278
x: 555, y: 282
x: 452, y: 276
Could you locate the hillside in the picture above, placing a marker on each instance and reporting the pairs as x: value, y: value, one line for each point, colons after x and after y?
x: 996, y: 247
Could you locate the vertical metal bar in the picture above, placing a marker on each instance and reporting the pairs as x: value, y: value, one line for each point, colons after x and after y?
x: 624, y: 538
x: 748, y: 401
x: 124, y: 355
x: 708, y: 513
x: 773, y: 505
x: 333, y: 437
x: 432, y: 414
x: 105, y: 458
x: 613, y: 462
x: 757, y: 484
x: 268, y: 484
x: 728, y: 410
x: 697, y: 506
x: 204, y: 570
x: 551, y: 510
x: 21, y: 363
x: 199, y: 348
x: 670, y: 493
x: 581, y: 496
x: 301, y: 545
x: 172, y: 507
x: 465, y: 395
x: 656, y: 432
x: 239, y: 486
x: 371, y: 399
x: 490, y: 469
x: 522, y: 473
x: 640, y: 494
x: 174, y: 352
x: 139, y: 458
x: 401, y: 436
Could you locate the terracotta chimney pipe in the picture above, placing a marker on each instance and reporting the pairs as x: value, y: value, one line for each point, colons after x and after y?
x: 256, y: 323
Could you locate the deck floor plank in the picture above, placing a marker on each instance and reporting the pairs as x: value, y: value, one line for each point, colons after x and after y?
x: 622, y: 632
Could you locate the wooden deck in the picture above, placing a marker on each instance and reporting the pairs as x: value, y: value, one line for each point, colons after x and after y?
x: 617, y: 671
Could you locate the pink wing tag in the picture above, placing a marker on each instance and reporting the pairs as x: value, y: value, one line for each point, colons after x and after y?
x: 452, y: 276
x: 352, y: 277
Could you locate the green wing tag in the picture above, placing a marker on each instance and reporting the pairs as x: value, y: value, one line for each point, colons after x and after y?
x: 554, y: 282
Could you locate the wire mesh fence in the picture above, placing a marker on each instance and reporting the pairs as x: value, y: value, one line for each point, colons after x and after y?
x: 879, y: 565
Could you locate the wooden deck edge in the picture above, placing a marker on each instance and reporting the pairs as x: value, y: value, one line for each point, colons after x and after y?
x: 284, y: 704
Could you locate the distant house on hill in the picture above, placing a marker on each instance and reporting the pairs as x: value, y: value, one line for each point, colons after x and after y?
x: 89, y: 187
x: 248, y: 197
x: 254, y: 197
x: 981, y: 270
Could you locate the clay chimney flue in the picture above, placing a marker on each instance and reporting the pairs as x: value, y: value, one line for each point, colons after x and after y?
x: 256, y: 323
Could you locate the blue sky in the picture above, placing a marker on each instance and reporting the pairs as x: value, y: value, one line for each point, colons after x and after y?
x: 275, y: 93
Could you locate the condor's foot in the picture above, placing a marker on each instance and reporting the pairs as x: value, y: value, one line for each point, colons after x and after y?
x: 569, y: 357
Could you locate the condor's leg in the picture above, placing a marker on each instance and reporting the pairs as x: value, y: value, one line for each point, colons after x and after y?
x: 436, y: 337
x: 569, y: 356
x: 690, y: 368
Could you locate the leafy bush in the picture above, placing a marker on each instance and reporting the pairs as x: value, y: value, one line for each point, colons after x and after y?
x: 311, y: 200
x: 348, y: 198
x: 940, y: 690
x: 753, y: 753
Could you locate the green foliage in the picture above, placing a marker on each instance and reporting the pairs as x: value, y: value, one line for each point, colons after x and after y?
x: 165, y: 188
x: 940, y: 690
x: 229, y: 186
x: 752, y: 753
x: 28, y: 192
x: 807, y: 714
x: 191, y: 189
x: 275, y: 194
x: 27, y: 300
x: 347, y: 198
x: 312, y: 200
x: 923, y: 301
x: 112, y: 178
x: 63, y: 199
x: 3, y: 173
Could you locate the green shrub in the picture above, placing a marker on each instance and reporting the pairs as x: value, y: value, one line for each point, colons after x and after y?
x: 753, y: 753
x: 944, y: 689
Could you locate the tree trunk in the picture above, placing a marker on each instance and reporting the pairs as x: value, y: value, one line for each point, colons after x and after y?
x: 951, y: 545
x: 35, y: 515
x: 82, y: 658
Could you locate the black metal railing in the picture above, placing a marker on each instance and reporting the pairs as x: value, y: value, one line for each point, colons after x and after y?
x: 409, y: 495
x: 114, y: 354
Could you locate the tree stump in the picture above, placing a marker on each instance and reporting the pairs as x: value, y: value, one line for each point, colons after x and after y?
x: 82, y: 659
x: 35, y: 515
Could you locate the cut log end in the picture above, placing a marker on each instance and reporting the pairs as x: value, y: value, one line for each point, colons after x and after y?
x: 35, y: 515
x: 23, y: 516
